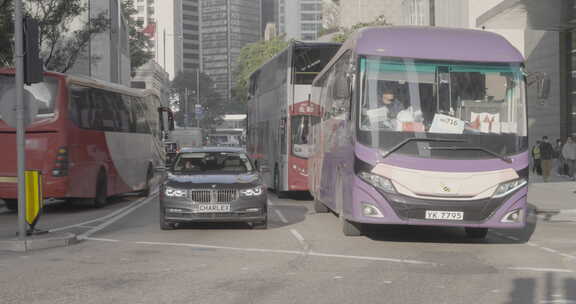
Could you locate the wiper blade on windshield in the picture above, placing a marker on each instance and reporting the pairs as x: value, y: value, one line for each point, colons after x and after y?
x: 400, y: 145
x: 504, y: 158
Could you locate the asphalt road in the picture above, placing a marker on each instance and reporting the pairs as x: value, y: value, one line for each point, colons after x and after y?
x: 302, y: 258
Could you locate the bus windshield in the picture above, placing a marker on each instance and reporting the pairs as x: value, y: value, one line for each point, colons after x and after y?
x: 483, y: 104
x: 300, y: 134
x: 45, y: 94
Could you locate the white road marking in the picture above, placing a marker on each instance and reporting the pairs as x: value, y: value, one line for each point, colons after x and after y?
x: 103, y: 218
x: 300, y: 239
x: 279, y: 251
x: 281, y: 216
x: 115, y: 218
x: 540, y: 269
x: 101, y: 240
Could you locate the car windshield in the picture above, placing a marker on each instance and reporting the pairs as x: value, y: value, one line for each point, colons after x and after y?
x: 482, y: 104
x: 212, y: 162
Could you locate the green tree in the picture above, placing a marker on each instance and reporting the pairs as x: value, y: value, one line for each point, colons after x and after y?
x: 210, y: 100
x: 252, y: 56
x: 60, y: 44
x: 345, y: 33
x: 140, y: 52
x: 6, y: 28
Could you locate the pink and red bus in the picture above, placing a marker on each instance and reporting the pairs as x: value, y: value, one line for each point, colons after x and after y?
x: 280, y: 113
x: 91, y: 139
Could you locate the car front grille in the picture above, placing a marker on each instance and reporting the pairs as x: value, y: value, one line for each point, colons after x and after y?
x: 213, y: 196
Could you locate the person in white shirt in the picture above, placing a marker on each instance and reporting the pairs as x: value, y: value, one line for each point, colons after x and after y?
x: 569, y: 154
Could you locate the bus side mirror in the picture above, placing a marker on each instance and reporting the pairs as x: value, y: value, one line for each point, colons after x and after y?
x: 544, y: 88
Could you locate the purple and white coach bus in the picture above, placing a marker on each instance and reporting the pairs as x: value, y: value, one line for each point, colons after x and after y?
x: 422, y: 126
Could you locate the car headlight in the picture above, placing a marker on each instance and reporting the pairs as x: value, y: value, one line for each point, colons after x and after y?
x: 256, y: 191
x: 509, y: 187
x: 378, y: 181
x: 172, y: 192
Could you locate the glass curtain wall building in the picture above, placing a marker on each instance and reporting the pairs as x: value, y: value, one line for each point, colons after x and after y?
x: 226, y: 27
x: 300, y: 19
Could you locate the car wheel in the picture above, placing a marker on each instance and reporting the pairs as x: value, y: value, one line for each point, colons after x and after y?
x: 476, y: 233
x: 260, y: 225
x: 11, y: 204
x: 319, y: 207
x: 165, y: 225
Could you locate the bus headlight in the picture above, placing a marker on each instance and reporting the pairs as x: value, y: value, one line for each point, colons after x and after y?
x: 172, y: 192
x: 378, y: 181
x: 509, y: 187
x: 257, y: 191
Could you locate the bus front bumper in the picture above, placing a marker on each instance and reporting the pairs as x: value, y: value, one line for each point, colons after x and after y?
x: 402, y: 210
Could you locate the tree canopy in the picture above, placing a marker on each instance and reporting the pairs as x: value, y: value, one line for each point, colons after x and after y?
x: 211, y: 101
x: 346, y: 32
x: 140, y: 52
x: 252, y: 56
x: 64, y: 34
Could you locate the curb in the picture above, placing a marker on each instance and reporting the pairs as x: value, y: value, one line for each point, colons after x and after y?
x: 39, y: 242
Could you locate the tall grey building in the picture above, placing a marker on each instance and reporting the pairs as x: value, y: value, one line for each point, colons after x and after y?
x: 300, y: 19
x: 269, y: 13
x: 226, y: 26
x: 190, y: 35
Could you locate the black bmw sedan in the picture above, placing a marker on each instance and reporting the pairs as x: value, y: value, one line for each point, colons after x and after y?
x: 212, y: 184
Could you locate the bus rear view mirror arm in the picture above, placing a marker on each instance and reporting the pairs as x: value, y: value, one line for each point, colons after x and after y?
x: 542, y: 82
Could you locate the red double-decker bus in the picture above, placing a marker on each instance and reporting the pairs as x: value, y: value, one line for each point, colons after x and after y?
x: 90, y: 139
x: 280, y: 113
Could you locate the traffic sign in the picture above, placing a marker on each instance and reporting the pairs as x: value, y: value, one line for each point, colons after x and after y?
x: 8, y: 107
x: 198, y: 109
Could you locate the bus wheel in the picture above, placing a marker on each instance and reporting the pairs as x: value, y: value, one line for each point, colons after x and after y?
x: 101, y: 191
x: 147, y: 189
x: 350, y: 228
x: 319, y: 207
x: 279, y: 193
x: 11, y: 204
x: 476, y: 233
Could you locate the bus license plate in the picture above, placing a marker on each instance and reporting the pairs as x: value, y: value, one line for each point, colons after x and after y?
x: 444, y: 215
x: 211, y: 208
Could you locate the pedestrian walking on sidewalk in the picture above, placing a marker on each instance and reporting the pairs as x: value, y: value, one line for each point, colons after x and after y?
x: 559, y: 162
x: 536, y: 165
x: 546, y: 156
x: 569, y: 154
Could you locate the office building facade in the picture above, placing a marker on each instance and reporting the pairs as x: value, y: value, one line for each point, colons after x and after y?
x: 300, y: 19
x: 226, y: 26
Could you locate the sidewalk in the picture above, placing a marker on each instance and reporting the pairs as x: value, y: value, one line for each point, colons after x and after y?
x: 556, y: 198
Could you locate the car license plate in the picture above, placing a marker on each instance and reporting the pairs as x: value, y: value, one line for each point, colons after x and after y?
x: 444, y: 215
x: 211, y: 208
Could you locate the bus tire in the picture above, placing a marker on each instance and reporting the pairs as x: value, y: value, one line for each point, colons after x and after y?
x: 350, y: 228
x: 101, y: 194
x: 476, y: 233
x: 279, y: 194
x: 319, y: 207
x: 149, y: 176
x: 11, y: 204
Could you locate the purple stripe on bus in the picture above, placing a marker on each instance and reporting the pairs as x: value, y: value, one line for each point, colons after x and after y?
x: 434, y: 43
x: 373, y: 156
